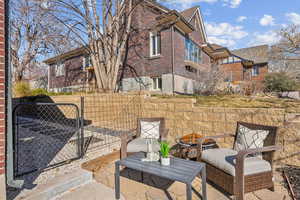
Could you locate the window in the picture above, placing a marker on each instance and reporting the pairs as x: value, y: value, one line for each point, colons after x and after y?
x: 191, y: 69
x: 255, y: 71
x: 155, y: 44
x: 157, y: 83
x: 60, y: 69
x: 231, y: 59
x: 192, y: 51
x: 87, y: 62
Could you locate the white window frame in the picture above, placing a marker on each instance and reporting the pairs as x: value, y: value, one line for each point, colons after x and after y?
x: 155, y: 83
x: 192, y: 51
x: 60, y: 69
x: 86, y: 58
x: 156, y: 53
x: 255, y: 71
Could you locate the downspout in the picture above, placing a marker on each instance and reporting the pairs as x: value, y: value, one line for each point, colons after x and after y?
x: 9, y: 115
x: 173, y: 61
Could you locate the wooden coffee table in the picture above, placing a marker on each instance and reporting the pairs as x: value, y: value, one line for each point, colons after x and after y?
x: 180, y: 170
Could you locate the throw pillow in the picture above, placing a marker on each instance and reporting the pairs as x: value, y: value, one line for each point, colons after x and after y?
x: 250, y: 139
x: 150, y: 130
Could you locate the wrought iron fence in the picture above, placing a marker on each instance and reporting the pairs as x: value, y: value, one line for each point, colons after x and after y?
x: 45, y: 135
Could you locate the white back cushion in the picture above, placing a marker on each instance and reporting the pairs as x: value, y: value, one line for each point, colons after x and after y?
x: 150, y: 129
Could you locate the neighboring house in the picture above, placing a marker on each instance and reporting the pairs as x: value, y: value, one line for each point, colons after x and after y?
x: 70, y: 71
x: 168, y: 54
x: 175, y: 52
x: 247, y: 64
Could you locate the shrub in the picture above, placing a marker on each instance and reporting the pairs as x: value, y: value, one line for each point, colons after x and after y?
x: 21, y: 89
x: 39, y: 91
x: 279, y: 82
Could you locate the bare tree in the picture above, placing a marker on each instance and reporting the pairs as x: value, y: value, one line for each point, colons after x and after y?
x: 103, y: 28
x: 34, y: 34
x: 285, y: 55
x: 210, y: 82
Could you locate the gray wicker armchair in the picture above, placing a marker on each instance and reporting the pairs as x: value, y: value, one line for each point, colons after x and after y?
x: 131, y: 143
x: 241, y: 171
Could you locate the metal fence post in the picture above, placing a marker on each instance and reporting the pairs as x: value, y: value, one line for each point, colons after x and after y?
x: 82, y: 125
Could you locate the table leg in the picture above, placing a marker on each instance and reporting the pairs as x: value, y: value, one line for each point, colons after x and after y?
x: 117, y: 181
x: 189, y: 191
x: 203, y: 178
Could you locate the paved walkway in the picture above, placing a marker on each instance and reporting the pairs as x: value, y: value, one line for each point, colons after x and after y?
x: 91, y: 191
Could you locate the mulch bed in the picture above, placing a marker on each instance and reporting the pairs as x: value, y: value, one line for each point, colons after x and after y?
x: 101, y: 162
x: 293, y: 174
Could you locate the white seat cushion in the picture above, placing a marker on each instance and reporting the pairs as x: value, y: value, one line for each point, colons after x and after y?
x: 140, y: 144
x: 224, y: 159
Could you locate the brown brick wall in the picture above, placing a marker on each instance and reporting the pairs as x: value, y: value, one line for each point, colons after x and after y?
x: 74, y: 74
x: 238, y: 73
x: 263, y: 70
x: 2, y: 87
x: 233, y: 71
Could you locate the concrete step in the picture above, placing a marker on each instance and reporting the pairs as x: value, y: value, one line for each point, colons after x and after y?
x: 90, y: 191
x: 58, y: 185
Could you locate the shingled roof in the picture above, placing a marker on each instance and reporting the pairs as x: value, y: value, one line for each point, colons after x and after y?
x: 257, y: 54
x: 188, y: 13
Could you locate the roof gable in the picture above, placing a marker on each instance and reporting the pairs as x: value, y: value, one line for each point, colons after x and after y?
x: 189, y: 13
x: 195, y: 13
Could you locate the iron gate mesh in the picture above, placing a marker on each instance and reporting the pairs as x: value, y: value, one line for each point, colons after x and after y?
x: 45, y: 135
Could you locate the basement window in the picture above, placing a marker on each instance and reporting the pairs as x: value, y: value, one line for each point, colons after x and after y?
x: 156, y: 83
x: 190, y: 69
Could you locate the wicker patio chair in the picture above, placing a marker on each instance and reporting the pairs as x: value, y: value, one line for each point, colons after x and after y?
x: 239, y: 172
x: 132, y: 143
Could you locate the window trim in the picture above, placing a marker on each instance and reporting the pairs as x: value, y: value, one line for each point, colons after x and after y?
x: 155, y: 81
x: 86, y: 59
x: 156, y: 35
x: 58, y: 67
x: 254, y: 69
x: 193, y: 52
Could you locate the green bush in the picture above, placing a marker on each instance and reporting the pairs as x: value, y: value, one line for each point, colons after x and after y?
x: 279, y: 82
x: 39, y: 91
x: 21, y: 89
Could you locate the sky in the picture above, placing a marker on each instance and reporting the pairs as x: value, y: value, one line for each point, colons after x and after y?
x: 243, y: 23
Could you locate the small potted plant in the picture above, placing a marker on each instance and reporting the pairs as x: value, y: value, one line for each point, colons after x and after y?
x: 164, y: 151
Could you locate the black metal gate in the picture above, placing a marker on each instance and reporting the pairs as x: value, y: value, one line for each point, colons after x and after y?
x: 46, y: 135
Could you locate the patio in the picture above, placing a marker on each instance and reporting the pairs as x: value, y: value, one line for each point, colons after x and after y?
x: 155, y: 188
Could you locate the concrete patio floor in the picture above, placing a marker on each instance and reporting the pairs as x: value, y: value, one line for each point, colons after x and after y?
x: 155, y: 188
x: 90, y: 191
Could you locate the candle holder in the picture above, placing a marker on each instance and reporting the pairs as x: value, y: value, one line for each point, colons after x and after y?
x: 151, y: 155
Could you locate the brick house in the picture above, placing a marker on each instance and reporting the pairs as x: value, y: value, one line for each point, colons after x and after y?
x: 247, y: 64
x: 167, y: 55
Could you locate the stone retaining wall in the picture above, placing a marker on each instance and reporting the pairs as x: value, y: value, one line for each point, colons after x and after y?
x: 118, y: 111
x: 183, y: 117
